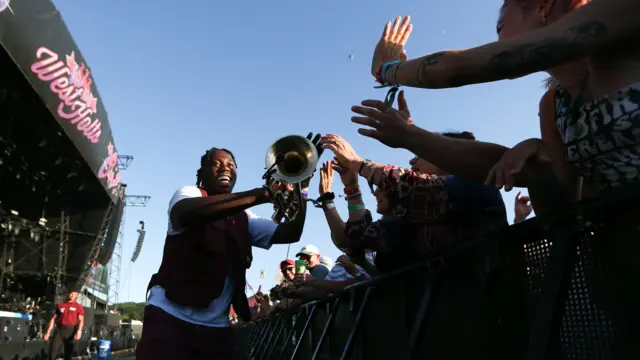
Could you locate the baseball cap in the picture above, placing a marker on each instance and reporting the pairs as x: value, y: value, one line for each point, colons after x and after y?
x: 309, y: 250
x: 286, y: 263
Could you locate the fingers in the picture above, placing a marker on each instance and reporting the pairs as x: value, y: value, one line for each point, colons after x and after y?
x: 491, y: 175
x: 367, y: 121
x: 375, y: 134
x: 377, y: 104
x: 525, y: 199
x: 402, y: 103
x: 405, y: 35
x: 331, y: 147
x: 402, y: 29
x: 394, y: 29
x: 518, y: 195
x: 385, y: 32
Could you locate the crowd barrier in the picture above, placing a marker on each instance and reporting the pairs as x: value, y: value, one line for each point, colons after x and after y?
x: 560, y: 286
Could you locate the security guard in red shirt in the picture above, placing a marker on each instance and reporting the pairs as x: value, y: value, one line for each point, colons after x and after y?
x: 68, y: 320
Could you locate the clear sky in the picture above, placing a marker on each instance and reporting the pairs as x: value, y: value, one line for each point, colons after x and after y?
x: 177, y: 78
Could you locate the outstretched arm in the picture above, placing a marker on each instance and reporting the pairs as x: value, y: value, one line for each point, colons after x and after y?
x: 194, y: 208
x: 589, y: 29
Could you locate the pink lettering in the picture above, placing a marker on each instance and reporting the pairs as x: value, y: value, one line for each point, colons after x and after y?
x: 72, y: 83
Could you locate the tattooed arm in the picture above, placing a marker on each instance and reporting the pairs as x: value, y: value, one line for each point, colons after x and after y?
x: 589, y: 29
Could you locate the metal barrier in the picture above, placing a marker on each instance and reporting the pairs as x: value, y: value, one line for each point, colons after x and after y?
x: 564, y: 286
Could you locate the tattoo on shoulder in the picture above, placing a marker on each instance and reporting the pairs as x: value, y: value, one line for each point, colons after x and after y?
x: 548, y: 52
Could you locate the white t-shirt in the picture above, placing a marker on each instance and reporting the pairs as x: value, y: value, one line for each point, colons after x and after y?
x: 217, y: 313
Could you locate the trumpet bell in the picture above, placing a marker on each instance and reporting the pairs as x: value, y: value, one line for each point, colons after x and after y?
x: 293, y: 157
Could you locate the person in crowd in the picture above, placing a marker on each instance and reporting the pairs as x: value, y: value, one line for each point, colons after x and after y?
x: 344, y: 273
x: 326, y: 261
x: 422, y: 213
x: 288, y: 269
x: 311, y: 255
x: 522, y: 208
x: 207, y: 251
x: 68, y: 321
x: 334, y: 220
x: 578, y: 106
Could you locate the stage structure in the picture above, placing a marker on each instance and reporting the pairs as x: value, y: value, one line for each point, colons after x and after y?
x: 58, y: 161
x: 115, y: 263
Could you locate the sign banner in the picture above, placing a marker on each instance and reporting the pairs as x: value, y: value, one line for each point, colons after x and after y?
x: 34, y: 35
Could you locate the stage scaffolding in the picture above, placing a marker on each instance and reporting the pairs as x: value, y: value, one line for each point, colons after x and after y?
x: 12, y: 233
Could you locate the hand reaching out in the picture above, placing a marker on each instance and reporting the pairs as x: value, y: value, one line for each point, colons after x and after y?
x: 349, y: 178
x: 522, y: 208
x: 389, y: 126
x: 326, y: 177
x: 342, y: 150
x: 391, y: 44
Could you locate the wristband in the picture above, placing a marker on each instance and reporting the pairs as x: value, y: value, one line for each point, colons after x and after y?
x: 353, y: 196
x: 356, y: 207
x: 328, y: 205
x: 328, y: 196
x: 381, y: 75
x: 352, y: 190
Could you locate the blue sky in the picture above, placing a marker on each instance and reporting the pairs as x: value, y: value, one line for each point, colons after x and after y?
x: 180, y: 77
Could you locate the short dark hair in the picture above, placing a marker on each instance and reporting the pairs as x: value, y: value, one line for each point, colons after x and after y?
x: 205, y: 160
x: 465, y: 135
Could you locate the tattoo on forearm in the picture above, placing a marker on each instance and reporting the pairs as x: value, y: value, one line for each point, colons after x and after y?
x: 547, y: 53
x: 427, y: 61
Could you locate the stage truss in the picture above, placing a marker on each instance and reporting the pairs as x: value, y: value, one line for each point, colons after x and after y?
x: 12, y: 226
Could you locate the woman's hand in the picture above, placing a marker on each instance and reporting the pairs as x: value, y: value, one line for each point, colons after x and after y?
x: 522, y: 207
x: 390, y: 126
x: 343, y: 151
x: 326, y: 178
x: 391, y: 44
x: 514, y: 160
x: 349, y: 178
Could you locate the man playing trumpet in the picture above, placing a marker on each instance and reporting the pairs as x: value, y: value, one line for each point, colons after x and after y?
x: 206, y: 254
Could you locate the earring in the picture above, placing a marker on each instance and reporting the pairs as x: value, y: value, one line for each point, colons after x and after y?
x: 544, y: 19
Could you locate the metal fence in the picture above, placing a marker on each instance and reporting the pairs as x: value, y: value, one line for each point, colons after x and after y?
x: 563, y: 286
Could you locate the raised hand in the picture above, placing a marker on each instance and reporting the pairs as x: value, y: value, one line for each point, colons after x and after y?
x: 505, y: 171
x: 391, y: 44
x: 522, y: 207
x: 326, y: 178
x: 389, y: 126
x: 342, y: 150
x: 349, y: 178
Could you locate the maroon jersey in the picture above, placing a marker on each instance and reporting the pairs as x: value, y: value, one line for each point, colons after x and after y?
x: 67, y: 313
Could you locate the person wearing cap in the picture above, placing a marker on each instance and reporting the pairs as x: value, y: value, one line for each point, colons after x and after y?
x: 68, y: 321
x: 311, y: 255
x: 288, y: 269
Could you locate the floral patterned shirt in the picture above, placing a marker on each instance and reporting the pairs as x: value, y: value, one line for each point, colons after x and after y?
x: 428, y: 213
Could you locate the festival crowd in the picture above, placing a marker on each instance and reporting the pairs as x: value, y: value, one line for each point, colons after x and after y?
x: 446, y: 196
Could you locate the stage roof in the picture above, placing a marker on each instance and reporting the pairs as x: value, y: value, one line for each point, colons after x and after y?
x: 34, y: 35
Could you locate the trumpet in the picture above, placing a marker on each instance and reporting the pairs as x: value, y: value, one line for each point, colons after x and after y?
x: 290, y: 160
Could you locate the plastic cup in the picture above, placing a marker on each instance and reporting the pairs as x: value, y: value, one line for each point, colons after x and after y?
x: 301, y: 266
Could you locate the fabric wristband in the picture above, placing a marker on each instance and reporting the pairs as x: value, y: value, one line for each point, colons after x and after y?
x: 383, y: 74
x: 328, y: 205
x: 356, y: 207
